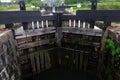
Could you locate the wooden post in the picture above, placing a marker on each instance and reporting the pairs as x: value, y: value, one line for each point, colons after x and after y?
x: 33, y: 62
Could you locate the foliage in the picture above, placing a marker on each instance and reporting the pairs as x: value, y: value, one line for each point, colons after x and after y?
x: 11, y: 7
x: 18, y: 77
x: 17, y: 1
x: 16, y: 7
x: 109, y: 5
x: 112, y: 58
x: 86, y: 1
x: 84, y: 6
x: 114, y: 51
x: 101, y: 6
x: 70, y: 2
x: 36, y: 3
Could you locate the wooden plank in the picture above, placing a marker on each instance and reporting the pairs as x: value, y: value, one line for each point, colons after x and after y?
x: 102, y: 15
x: 38, y: 62
x: 32, y: 63
x: 18, y: 16
x: 33, y: 44
x: 81, y: 61
x: 47, y: 60
x: 42, y: 61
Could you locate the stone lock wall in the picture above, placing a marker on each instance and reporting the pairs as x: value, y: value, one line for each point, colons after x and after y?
x: 8, y: 56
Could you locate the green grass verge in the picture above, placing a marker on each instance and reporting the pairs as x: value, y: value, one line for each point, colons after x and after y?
x: 9, y: 8
x: 15, y: 8
x: 101, y: 6
x: 85, y: 6
x: 109, y: 5
x: 75, y: 9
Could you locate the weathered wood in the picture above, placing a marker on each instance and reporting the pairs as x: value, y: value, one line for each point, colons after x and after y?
x: 33, y: 63
x: 47, y: 60
x: 37, y: 62
x: 81, y: 61
x: 18, y: 16
x: 42, y: 61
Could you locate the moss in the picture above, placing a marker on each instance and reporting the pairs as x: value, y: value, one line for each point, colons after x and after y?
x: 18, y: 77
x: 113, y: 50
x: 111, y: 46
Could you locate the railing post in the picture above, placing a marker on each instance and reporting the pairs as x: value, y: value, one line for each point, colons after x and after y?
x: 58, y: 34
x: 94, y: 4
x: 22, y: 5
x: 106, y: 24
x: 23, y: 8
x: 93, y: 7
x: 58, y: 25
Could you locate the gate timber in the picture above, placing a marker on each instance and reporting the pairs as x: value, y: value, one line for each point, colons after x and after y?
x: 75, y: 35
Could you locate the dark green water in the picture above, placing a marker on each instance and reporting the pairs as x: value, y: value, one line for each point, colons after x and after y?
x: 61, y: 73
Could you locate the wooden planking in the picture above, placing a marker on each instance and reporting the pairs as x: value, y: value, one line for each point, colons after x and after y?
x: 18, y: 16
x: 94, y: 15
x: 102, y: 15
x: 22, y: 16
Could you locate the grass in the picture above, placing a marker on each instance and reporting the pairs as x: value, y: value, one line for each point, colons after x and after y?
x: 9, y: 8
x: 109, y: 5
x: 2, y: 26
x: 85, y: 6
x: 100, y: 6
x: 75, y: 9
x: 15, y: 8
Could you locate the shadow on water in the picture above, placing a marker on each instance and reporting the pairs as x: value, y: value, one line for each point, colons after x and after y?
x: 60, y: 73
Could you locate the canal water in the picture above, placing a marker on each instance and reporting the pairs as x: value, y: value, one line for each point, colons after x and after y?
x: 66, y: 70
x: 77, y: 54
x: 61, y: 73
